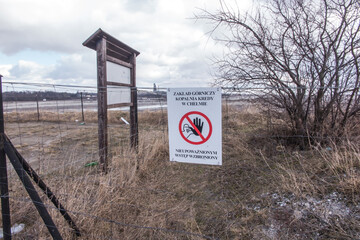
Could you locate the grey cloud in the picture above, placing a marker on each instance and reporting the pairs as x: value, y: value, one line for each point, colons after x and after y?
x: 36, y: 38
x: 74, y: 67
x: 66, y: 35
x: 171, y: 46
x: 20, y: 71
x: 141, y: 5
x: 194, y: 69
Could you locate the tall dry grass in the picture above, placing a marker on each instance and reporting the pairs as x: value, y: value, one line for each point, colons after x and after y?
x: 111, y: 206
x: 264, y: 190
x: 322, y: 170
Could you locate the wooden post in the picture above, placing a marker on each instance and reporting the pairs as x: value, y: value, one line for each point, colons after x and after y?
x: 134, y: 132
x: 102, y: 103
x: 37, y: 107
x: 82, y: 107
x: 5, y: 206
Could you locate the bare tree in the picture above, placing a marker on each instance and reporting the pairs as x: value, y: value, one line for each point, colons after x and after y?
x: 303, y: 54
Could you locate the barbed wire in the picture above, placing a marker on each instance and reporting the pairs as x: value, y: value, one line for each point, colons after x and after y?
x: 232, y: 88
x: 81, y: 160
x: 49, y: 85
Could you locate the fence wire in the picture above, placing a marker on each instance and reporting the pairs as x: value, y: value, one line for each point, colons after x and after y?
x: 61, y: 147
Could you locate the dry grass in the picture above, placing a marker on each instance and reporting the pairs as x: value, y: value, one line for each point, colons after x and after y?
x: 321, y: 170
x: 264, y: 190
x: 89, y: 116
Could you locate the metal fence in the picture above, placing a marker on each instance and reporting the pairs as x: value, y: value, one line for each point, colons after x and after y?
x: 57, y: 136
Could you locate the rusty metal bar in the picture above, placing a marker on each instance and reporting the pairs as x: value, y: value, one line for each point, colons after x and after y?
x: 29, y: 187
x: 5, y: 206
x: 46, y: 190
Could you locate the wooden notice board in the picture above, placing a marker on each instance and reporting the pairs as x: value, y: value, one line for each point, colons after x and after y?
x: 116, y: 82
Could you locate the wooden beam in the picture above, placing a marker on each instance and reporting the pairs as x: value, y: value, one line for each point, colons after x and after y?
x: 120, y: 48
x: 118, y: 84
x: 99, y: 34
x: 102, y: 103
x: 118, y: 105
x: 117, y: 55
x: 117, y: 61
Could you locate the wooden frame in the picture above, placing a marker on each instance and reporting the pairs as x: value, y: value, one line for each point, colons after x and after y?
x: 112, y: 50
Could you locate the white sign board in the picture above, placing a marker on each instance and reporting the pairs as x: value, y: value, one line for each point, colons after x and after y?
x: 118, y: 95
x: 117, y: 73
x: 194, y: 118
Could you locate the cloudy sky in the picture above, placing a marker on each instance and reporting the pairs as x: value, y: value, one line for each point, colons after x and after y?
x: 41, y: 40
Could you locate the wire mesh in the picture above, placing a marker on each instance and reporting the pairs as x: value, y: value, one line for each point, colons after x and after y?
x: 48, y: 131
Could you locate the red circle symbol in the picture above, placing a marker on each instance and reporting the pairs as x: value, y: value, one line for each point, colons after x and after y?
x: 203, y: 139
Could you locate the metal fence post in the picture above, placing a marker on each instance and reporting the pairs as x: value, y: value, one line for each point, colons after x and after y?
x: 5, y: 206
x: 82, y: 107
x: 41, y: 184
x: 29, y: 187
